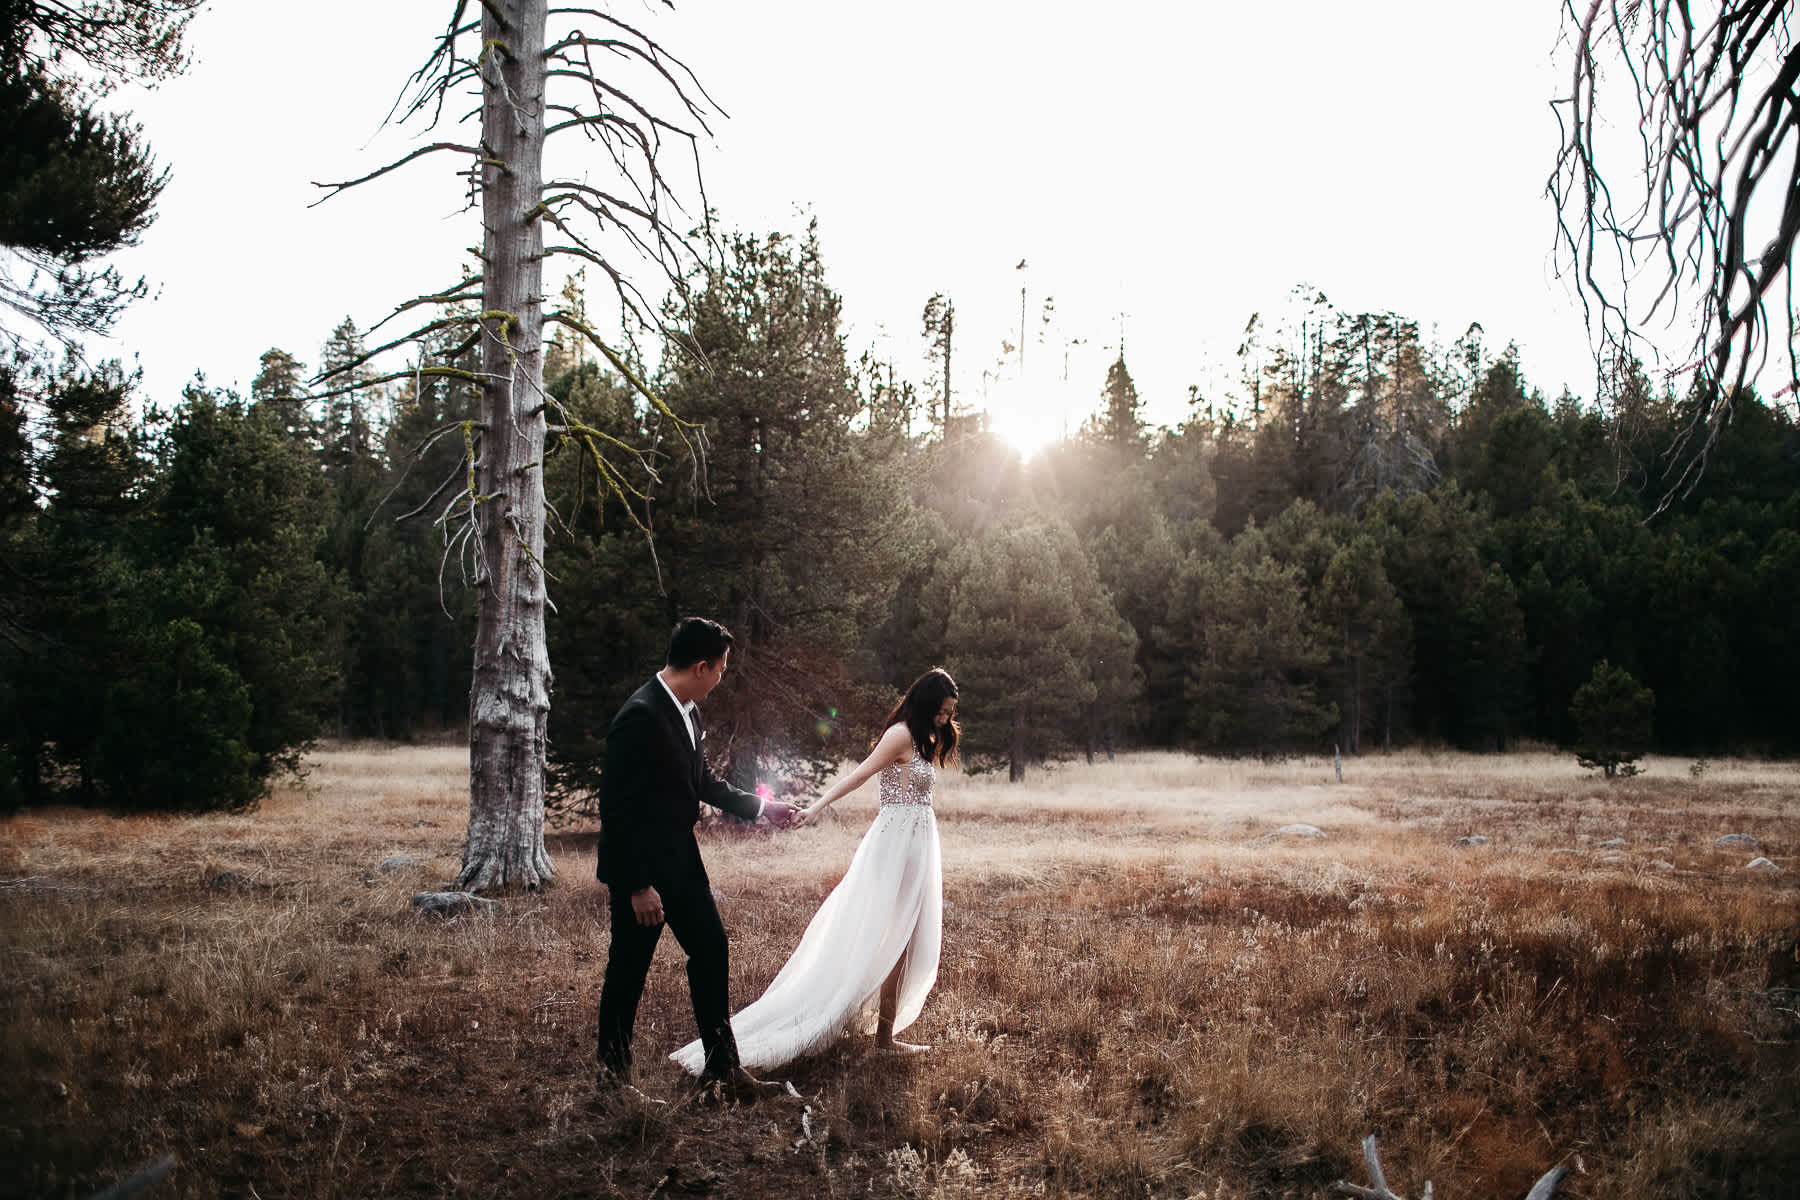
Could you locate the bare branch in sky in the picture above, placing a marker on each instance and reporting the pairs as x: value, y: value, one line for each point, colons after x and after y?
x: 1700, y: 215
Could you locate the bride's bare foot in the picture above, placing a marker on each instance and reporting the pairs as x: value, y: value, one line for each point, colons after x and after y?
x: 896, y: 1047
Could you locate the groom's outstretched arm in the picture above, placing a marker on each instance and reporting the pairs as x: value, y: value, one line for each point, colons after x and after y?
x: 721, y: 795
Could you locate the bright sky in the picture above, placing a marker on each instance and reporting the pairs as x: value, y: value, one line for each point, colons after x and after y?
x: 1165, y: 170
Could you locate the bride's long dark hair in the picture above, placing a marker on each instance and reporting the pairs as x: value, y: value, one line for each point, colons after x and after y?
x: 918, y: 709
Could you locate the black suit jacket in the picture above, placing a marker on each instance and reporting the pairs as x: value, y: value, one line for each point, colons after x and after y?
x: 650, y: 797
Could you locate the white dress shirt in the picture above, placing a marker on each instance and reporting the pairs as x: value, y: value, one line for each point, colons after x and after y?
x: 687, y: 712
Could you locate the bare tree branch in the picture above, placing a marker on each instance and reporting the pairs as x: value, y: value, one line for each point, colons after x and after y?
x: 1543, y: 1189
x: 435, y: 148
x: 1711, y: 236
x: 468, y: 289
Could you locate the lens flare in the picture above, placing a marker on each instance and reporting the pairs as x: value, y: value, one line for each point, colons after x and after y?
x: 764, y: 792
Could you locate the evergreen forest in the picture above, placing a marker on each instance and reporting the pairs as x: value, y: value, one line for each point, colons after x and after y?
x: 1375, y: 541
x: 1388, y: 544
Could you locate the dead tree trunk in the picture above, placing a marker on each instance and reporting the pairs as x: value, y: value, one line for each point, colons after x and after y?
x: 509, y: 703
x: 494, y: 520
x: 949, y: 334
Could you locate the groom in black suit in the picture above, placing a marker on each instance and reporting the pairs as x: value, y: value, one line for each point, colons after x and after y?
x: 656, y: 777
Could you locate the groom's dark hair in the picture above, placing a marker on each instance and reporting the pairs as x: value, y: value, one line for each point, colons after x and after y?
x: 697, y: 639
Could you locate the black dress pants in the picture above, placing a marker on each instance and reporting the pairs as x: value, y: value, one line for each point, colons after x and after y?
x: 691, y: 915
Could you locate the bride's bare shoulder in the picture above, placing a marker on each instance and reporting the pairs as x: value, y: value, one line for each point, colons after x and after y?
x: 895, y: 744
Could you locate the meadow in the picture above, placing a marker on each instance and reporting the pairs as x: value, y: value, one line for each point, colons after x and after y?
x: 1147, y: 990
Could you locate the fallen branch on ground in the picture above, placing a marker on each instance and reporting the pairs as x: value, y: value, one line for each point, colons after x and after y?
x: 1543, y: 1189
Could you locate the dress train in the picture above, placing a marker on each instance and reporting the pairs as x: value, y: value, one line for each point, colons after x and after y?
x: 888, y: 909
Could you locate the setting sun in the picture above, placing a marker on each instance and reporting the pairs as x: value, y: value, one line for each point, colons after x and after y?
x: 1029, y: 416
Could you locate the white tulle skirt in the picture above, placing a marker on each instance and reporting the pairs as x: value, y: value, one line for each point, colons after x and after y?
x: 888, y: 908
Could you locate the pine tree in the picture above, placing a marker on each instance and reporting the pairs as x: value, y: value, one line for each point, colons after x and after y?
x: 566, y: 350
x: 1249, y: 649
x: 1498, y: 390
x: 17, y: 519
x: 70, y: 572
x: 1771, y: 585
x: 939, y: 320
x: 1018, y: 642
x: 1119, y: 425
x: 352, y: 462
x: 1112, y: 670
x: 346, y: 432
x: 1613, y: 717
x: 1371, y: 641
x: 414, y: 587
x: 795, y: 544
x: 180, y: 630
x: 1493, y: 661
x: 612, y: 621
x: 1695, y: 672
x: 1136, y: 563
x: 1515, y: 469
x: 240, y: 499
x: 280, y: 385
x: 1182, y: 466
x: 1431, y: 554
x: 15, y: 452
x: 75, y: 183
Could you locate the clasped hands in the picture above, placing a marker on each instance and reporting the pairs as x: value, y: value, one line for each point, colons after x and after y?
x: 783, y: 815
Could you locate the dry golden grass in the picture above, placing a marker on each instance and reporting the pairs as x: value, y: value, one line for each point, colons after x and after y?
x: 1144, y: 992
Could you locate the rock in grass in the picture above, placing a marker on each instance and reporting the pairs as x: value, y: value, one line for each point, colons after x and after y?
x: 1474, y: 839
x: 230, y: 881
x: 1613, y: 844
x: 394, y: 864
x: 1662, y: 864
x: 1738, y: 839
x: 455, y: 904
x: 1761, y: 864
x: 1306, y: 831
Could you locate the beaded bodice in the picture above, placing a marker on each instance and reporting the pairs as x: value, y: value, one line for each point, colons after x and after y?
x: 907, y: 782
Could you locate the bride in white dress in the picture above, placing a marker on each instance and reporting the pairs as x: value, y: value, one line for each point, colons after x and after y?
x: 870, y: 955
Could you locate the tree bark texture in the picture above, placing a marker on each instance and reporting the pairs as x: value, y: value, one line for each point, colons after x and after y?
x: 509, y: 701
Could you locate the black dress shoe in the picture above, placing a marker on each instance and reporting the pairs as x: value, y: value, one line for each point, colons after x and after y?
x: 736, y: 1085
